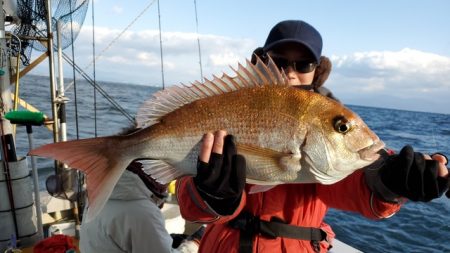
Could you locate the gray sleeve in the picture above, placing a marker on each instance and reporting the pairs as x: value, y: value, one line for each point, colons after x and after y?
x: 149, y: 233
x: 139, y: 228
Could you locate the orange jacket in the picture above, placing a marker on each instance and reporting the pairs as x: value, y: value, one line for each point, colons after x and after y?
x: 297, y: 204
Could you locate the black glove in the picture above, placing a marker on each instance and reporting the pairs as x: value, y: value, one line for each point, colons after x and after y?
x: 177, y: 239
x: 410, y: 175
x: 221, y: 181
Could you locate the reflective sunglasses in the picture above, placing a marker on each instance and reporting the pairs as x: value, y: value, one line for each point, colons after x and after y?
x: 301, y: 66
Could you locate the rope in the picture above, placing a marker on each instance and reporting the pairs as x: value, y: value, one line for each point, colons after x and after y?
x: 160, y: 48
x: 198, y: 42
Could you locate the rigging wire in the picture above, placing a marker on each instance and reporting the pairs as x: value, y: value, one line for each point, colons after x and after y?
x: 74, y: 77
x: 98, y: 88
x: 93, y: 70
x: 118, y: 36
x: 90, y: 81
x: 80, y: 202
x: 198, y: 42
x: 160, y: 48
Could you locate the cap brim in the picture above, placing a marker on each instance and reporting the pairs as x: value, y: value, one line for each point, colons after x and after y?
x: 284, y: 41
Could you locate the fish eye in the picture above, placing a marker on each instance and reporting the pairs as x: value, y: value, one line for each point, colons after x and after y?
x: 342, y: 125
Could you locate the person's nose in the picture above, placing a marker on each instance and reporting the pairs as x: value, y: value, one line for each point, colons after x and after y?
x: 292, y: 76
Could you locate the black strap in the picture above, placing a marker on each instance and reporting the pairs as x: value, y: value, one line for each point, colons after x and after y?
x: 250, y: 225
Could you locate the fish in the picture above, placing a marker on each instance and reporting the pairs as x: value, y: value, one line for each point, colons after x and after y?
x: 286, y: 134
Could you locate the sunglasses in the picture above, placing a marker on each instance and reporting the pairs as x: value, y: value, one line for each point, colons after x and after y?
x: 299, y: 66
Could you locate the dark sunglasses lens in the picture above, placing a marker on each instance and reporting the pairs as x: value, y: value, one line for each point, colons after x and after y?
x: 281, y: 62
x: 300, y: 66
x: 305, y: 67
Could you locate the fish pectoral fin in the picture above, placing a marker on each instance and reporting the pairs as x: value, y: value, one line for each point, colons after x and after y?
x: 258, y: 151
x: 160, y: 170
x: 287, y: 162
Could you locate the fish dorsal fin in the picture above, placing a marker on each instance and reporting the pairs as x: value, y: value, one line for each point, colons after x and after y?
x: 174, y: 97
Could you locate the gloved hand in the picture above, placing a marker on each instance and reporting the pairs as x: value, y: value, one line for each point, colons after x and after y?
x: 410, y: 175
x: 177, y: 239
x: 198, y: 234
x: 221, y: 181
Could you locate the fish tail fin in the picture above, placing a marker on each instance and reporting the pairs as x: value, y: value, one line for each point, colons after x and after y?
x: 102, y: 165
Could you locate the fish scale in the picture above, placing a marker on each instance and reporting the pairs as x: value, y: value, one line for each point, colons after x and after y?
x: 248, y: 123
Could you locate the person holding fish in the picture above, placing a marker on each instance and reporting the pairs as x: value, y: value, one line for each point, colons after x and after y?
x: 289, y: 217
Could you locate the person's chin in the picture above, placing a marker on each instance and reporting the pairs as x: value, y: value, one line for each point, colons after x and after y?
x: 294, y: 82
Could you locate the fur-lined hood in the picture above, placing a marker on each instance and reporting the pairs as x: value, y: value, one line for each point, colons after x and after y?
x: 322, y: 72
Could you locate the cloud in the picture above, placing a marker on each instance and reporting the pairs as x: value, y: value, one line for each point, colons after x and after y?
x: 117, y: 9
x: 135, y: 57
x: 407, y: 68
x: 404, y: 79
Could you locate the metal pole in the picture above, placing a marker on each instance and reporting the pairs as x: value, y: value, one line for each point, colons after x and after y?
x: 37, y: 196
x: 51, y: 66
x: 61, y: 95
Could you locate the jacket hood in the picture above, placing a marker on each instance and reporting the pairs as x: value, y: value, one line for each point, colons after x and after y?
x: 130, y: 187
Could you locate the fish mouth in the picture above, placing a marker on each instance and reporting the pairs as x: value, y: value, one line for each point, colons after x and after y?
x: 371, y: 153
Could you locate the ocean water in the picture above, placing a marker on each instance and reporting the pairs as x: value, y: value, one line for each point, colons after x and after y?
x: 418, y: 227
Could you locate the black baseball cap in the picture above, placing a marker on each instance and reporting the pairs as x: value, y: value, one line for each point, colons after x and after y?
x: 295, y: 31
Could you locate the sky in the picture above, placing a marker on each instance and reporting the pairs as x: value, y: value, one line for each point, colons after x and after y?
x: 393, y: 54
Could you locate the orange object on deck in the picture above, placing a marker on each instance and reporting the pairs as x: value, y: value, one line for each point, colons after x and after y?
x: 56, y: 244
